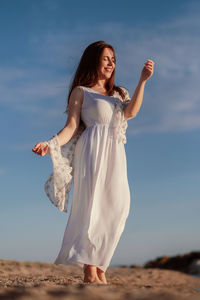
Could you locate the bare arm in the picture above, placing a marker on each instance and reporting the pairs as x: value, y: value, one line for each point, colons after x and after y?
x: 133, y: 107
x: 73, y: 120
x: 72, y: 123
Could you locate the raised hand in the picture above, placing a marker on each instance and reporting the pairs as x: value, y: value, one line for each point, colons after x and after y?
x: 147, y: 70
x: 41, y: 148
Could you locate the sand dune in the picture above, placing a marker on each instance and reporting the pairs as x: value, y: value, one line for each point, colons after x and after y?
x: 37, y: 280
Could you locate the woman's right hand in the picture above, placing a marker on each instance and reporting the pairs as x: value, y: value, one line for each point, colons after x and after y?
x: 41, y: 148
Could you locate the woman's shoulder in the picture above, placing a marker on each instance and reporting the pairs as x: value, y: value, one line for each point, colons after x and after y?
x: 77, y: 93
x: 77, y: 88
x: 125, y: 93
x: 125, y: 90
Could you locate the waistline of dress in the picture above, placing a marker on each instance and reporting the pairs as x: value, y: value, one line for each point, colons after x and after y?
x: 117, y: 132
x: 101, y: 125
x: 114, y: 132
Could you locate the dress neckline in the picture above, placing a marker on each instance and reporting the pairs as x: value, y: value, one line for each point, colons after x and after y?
x: 99, y: 93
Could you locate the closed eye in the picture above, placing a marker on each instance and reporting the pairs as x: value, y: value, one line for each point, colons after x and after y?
x: 113, y: 59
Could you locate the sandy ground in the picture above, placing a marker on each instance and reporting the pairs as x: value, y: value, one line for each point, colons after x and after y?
x: 35, y: 280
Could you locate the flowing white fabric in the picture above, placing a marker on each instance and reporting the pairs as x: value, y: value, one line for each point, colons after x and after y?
x: 95, y: 160
x: 58, y: 186
x: 101, y: 194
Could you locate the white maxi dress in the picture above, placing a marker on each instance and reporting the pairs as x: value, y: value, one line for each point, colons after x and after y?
x: 101, y: 194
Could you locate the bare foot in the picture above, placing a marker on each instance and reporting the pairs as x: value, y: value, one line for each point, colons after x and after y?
x: 90, y: 273
x: 89, y: 279
x: 101, y: 276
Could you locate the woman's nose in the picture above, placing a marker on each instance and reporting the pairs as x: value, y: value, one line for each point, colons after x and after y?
x: 110, y: 63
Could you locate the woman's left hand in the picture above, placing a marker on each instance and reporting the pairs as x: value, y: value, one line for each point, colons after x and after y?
x: 147, y: 70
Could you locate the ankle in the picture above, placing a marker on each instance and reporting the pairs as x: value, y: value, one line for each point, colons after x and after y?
x: 90, y: 278
x: 99, y: 271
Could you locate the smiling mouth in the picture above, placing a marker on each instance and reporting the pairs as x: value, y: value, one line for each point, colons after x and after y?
x: 108, y: 70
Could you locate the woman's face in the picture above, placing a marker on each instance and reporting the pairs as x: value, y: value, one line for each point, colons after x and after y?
x: 107, y: 64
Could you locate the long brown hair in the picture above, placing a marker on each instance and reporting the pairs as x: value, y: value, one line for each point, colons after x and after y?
x: 87, y: 71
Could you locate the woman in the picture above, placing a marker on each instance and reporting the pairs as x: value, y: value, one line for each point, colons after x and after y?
x: 101, y: 195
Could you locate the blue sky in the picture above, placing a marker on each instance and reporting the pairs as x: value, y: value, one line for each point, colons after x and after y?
x: 41, y: 44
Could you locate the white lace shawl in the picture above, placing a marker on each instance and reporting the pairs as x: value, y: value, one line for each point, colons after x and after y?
x: 58, y: 186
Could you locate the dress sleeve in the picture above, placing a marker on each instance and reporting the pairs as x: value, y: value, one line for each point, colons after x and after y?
x: 58, y: 186
x: 127, y: 96
x: 126, y: 101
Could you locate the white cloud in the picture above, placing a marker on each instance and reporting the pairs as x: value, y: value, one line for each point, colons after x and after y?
x: 22, y: 86
x: 171, y: 99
